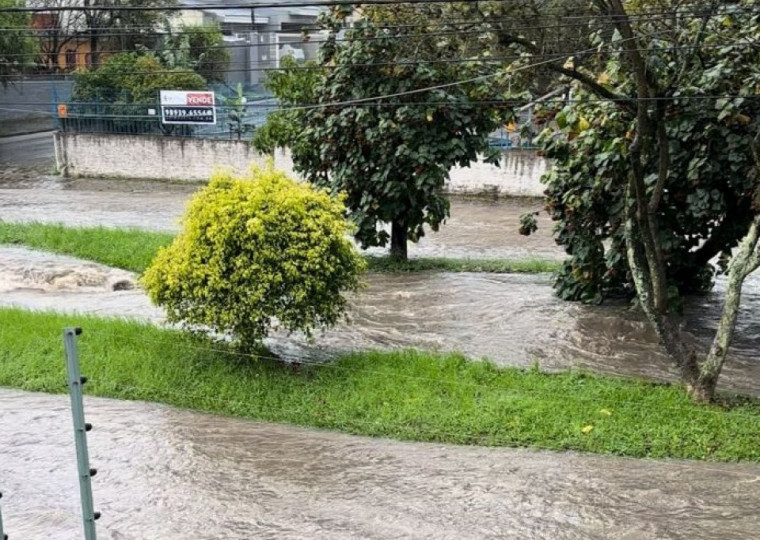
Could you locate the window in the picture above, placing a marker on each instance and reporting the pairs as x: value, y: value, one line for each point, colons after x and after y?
x: 71, y: 59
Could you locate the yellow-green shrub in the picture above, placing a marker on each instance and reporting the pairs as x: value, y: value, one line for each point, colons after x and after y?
x: 256, y: 248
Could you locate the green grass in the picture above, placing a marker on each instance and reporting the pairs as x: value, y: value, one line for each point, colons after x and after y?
x: 130, y: 249
x: 405, y: 395
x: 133, y: 249
x: 443, y: 264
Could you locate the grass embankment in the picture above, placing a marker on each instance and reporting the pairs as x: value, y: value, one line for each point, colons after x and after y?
x: 133, y: 249
x: 405, y: 395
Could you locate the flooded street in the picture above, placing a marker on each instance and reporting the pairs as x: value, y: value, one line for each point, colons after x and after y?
x: 512, y: 319
x: 477, y: 228
x: 169, y: 474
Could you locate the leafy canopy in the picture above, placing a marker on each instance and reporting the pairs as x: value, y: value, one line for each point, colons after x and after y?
x: 132, y: 78
x: 384, y: 127
x: 706, y: 207
x: 16, y: 46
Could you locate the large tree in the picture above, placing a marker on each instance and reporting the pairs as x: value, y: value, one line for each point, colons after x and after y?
x: 384, y: 120
x: 669, y: 124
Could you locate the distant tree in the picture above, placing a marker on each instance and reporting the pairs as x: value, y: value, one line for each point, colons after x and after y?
x: 57, y: 29
x: 17, y: 48
x: 132, y: 78
x: 200, y: 48
x: 124, y: 30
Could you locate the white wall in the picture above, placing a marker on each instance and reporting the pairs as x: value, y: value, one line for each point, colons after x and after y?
x: 157, y: 157
x: 519, y: 174
x: 150, y: 157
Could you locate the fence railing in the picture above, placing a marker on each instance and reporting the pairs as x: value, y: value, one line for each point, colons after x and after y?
x: 145, y: 119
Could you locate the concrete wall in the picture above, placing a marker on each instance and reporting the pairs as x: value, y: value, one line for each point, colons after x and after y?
x: 150, y: 157
x: 157, y: 157
x: 518, y: 174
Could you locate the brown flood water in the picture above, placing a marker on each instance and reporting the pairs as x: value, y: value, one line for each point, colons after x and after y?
x: 477, y: 228
x: 169, y: 474
x: 511, y: 319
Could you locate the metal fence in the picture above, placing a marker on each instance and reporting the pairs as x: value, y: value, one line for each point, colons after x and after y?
x: 232, y: 121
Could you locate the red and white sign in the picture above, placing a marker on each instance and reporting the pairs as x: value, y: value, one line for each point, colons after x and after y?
x: 180, y: 107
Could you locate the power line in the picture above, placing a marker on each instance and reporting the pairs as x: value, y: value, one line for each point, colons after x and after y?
x: 483, y: 61
x: 248, y: 5
x: 584, y: 19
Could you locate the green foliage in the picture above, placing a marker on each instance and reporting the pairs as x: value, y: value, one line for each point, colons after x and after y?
x: 706, y: 205
x: 254, y: 249
x: 132, y: 78
x: 130, y: 249
x: 294, y: 84
x: 15, y: 40
x: 237, y: 112
x: 391, y: 155
x: 401, y: 394
x: 198, y: 48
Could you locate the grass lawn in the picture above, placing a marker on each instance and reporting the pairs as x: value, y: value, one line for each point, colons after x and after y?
x: 133, y: 249
x: 405, y: 395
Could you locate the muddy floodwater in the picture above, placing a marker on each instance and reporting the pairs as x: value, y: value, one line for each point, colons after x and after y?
x: 477, y: 228
x: 169, y: 474
x: 510, y: 318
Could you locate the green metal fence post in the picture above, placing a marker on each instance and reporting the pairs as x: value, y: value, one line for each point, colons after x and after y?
x: 76, y: 381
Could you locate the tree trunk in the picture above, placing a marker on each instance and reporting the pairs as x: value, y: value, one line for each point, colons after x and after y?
x: 745, y: 261
x: 398, y: 240
x: 94, y: 60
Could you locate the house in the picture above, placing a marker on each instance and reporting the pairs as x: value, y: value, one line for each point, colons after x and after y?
x: 257, y: 38
x: 63, y: 44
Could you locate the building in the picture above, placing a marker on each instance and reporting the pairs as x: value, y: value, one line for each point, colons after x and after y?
x: 257, y: 38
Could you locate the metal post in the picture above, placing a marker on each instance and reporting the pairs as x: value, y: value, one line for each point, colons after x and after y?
x: 3, y: 536
x: 76, y: 381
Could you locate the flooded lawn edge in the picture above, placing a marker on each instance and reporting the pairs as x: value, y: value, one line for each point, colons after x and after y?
x: 407, y: 395
x: 133, y: 249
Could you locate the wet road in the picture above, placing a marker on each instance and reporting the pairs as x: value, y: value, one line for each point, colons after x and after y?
x: 169, y: 474
x: 26, y: 149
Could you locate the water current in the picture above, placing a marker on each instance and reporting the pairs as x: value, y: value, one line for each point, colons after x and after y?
x: 168, y: 474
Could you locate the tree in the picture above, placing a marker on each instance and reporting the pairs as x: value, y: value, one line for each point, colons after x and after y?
x: 200, y: 48
x: 386, y: 128
x: 124, y: 29
x: 58, y: 28
x: 16, y: 47
x: 132, y: 78
x: 675, y: 83
x: 256, y: 249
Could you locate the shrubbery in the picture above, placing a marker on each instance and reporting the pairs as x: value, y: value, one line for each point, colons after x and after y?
x: 256, y: 249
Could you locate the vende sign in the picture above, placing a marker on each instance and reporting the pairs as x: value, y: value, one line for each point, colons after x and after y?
x: 179, y: 107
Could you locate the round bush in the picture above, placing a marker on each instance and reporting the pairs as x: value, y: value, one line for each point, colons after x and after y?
x: 256, y: 249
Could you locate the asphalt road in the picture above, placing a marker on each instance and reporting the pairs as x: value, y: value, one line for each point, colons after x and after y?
x: 24, y: 149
